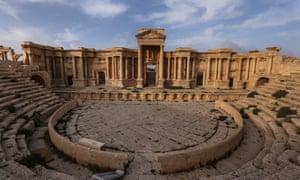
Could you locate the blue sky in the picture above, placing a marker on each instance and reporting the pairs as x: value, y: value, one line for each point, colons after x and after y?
x: 201, y: 24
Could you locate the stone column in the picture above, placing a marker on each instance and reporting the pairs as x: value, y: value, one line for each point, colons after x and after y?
x: 140, y: 78
x: 254, y: 66
x: 126, y: 67
x: 247, y: 69
x: 121, y: 68
x: 4, y: 56
x: 161, y: 68
x: 175, y: 69
x: 132, y: 68
x: 208, y: 68
x: 74, y: 67
x: 188, y: 68
x: 216, y: 68
x: 54, y: 67
x: 169, y: 68
x: 62, y: 69
x: 193, y: 68
x: 115, y: 67
x: 107, y: 67
x: 227, y: 68
x: 240, y: 69
x: 220, y: 68
x: 179, y: 75
x: 270, y: 65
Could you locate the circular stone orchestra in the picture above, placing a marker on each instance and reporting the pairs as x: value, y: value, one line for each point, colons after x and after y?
x: 133, y: 126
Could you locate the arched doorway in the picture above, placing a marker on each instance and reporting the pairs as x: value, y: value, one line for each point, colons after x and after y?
x: 261, y: 81
x: 38, y: 79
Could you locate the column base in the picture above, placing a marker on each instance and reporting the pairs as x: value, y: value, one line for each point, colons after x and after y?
x: 139, y: 83
x: 161, y: 83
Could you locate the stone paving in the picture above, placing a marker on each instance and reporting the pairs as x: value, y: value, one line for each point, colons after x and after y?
x: 143, y: 128
x: 146, y: 126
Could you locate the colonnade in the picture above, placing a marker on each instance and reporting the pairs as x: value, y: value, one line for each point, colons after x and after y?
x: 180, y: 68
x: 121, y: 67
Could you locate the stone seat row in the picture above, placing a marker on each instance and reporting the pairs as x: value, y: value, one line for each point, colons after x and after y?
x: 15, y: 126
x: 269, y: 161
x: 280, y: 156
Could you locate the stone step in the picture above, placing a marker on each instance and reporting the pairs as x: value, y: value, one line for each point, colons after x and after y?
x: 289, y: 128
x: 11, y: 102
x: 6, y: 98
x: 18, y: 171
x: 20, y: 90
x: 38, y: 146
x: 296, y: 121
x: 30, y: 93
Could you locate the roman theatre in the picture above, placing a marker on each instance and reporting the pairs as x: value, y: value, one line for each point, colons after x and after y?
x: 148, y: 113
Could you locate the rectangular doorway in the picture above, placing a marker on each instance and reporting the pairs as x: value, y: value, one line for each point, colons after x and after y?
x: 199, y: 78
x: 150, y: 75
x: 101, y: 78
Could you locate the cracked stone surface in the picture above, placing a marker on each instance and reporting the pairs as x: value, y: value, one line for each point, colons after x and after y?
x: 147, y: 126
x: 143, y: 128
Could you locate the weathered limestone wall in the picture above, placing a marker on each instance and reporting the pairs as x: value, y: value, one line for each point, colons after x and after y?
x: 83, y: 155
x: 131, y: 96
x: 200, y: 155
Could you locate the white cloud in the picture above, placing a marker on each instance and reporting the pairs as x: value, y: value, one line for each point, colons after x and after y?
x: 280, y: 15
x: 66, y: 37
x: 15, y: 36
x: 94, y: 8
x: 185, y: 12
x: 209, y: 39
x: 8, y: 9
x: 102, y: 8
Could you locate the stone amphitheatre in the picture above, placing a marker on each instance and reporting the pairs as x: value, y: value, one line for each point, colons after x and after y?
x: 149, y: 113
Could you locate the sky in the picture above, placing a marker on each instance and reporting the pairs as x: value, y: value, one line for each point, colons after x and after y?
x: 242, y: 25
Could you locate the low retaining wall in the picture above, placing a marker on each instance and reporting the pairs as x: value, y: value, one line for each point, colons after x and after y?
x: 203, y: 154
x: 82, y: 154
x: 151, y: 96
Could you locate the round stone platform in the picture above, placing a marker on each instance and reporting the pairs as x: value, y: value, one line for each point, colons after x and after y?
x: 144, y: 128
x: 133, y: 126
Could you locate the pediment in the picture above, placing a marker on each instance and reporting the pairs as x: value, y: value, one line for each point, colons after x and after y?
x: 151, y: 34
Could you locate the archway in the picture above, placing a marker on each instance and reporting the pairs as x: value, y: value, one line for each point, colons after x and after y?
x: 261, y: 81
x: 38, y: 79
